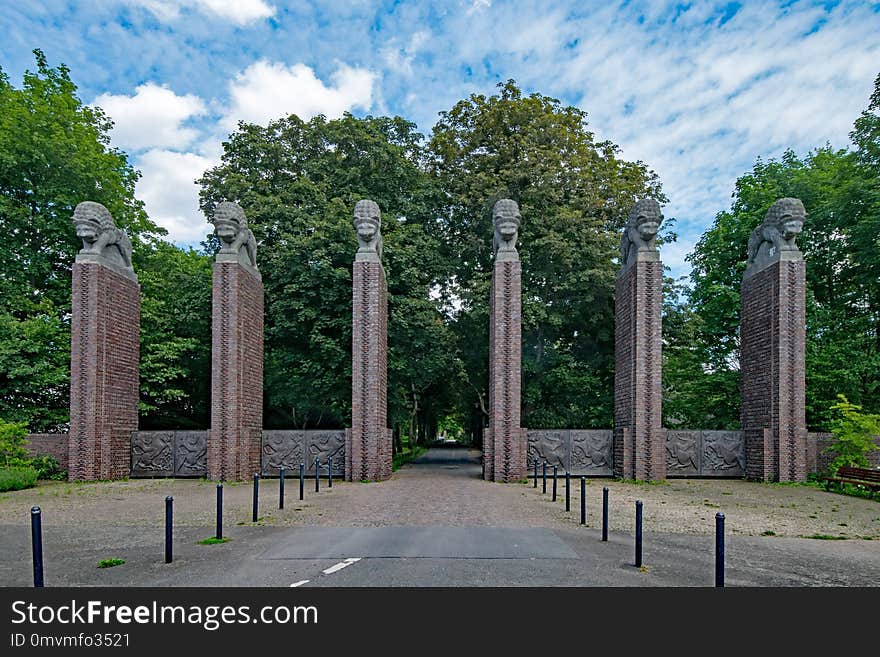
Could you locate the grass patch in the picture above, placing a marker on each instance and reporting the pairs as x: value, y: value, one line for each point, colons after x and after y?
x: 768, y: 532
x: 406, y: 456
x: 826, y: 537
x: 110, y: 563
x: 17, y: 478
x: 643, y: 482
x: 213, y: 540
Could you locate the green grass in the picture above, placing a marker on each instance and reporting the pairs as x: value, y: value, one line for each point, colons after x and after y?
x: 406, y: 456
x: 826, y: 537
x: 17, y: 478
x: 643, y: 482
x: 110, y: 563
x: 768, y: 532
x: 213, y: 540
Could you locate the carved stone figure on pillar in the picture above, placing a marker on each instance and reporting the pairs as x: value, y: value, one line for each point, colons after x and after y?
x: 506, y: 219
x: 368, y: 226
x: 102, y: 240
x: 640, y: 232
x: 776, y: 235
x: 237, y: 243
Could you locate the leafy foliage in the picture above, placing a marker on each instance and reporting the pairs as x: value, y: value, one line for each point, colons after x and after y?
x: 17, y: 478
x: 853, y: 434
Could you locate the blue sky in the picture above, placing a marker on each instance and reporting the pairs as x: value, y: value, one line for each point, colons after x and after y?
x: 697, y: 90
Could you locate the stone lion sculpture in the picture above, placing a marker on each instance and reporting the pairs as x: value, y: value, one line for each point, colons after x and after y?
x: 100, y: 236
x: 782, y: 224
x: 236, y: 239
x: 368, y: 227
x: 640, y: 232
x: 506, y: 219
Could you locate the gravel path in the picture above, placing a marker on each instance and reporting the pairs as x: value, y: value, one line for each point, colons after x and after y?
x: 444, y: 487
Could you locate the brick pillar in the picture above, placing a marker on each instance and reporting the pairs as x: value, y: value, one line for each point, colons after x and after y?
x: 236, y: 371
x: 639, y: 439
x: 504, y: 446
x: 104, y: 362
x: 368, y: 447
x: 773, y: 343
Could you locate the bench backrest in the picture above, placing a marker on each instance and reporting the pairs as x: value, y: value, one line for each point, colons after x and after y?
x: 865, y: 474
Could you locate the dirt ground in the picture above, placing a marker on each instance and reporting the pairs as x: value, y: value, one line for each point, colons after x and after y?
x: 454, y: 495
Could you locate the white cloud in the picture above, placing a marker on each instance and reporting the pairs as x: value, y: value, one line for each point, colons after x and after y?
x: 271, y: 90
x: 170, y: 195
x: 400, y: 59
x: 152, y: 118
x: 240, y: 12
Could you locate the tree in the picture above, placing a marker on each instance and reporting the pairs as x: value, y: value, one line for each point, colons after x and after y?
x: 853, y: 435
x: 298, y: 182
x: 54, y: 153
x: 574, y: 194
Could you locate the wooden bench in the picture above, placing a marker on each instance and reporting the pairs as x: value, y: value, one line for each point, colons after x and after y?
x: 857, y: 476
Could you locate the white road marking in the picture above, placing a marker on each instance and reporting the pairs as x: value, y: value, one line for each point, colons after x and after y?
x: 299, y: 583
x: 341, y: 565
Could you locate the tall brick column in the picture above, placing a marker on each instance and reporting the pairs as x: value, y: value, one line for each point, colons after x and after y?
x: 368, y: 443
x: 773, y: 344
x: 104, y: 350
x: 234, y: 438
x: 639, y: 439
x: 504, y: 443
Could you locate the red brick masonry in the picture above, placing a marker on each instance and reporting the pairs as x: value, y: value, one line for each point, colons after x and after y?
x: 236, y: 373
x: 368, y: 443
x: 104, y: 378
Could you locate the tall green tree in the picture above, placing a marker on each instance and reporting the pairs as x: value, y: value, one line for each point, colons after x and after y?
x: 574, y: 194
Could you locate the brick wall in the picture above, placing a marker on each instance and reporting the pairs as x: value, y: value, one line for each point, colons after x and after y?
x: 368, y: 446
x: 104, y: 375
x: 236, y: 373
x: 56, y: 445
x: 818, y: 459
x: 772, y: 370
x: 639, y: 439
x: 505, y: 442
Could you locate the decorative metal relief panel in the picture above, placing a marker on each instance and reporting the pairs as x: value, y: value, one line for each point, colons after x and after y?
x: 282, y: 449
x: 152, y: 453
x: 724, y: 453
x: 324, y: 445
x: 591, y: 452
x: 548, y: 445
x: 190, y: 453
x: 682, y: 453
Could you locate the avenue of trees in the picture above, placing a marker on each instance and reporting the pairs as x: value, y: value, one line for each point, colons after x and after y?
x: 298, y: 182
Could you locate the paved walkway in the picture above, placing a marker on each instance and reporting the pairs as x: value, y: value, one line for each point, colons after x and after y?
x: 435, y: 523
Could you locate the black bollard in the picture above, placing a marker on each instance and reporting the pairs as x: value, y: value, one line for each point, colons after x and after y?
x: 256, y: 495
x: 37, y: 545
x: 544, y: 475
x: 317, y: 475
x: 555, y: 468
x: 281, y: 488
x: 302, y: 479
x: 169, y: 519
x: 583, y: 500
x: 329, y: 472
x: 605, y: 513
x: 536, y: 474
x: 638, y: 533
x: 219, y: 512
x: 567, y: 490
x: 719, y: 550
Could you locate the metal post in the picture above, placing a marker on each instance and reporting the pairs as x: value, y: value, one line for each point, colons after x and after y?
x: 37, y: 545
x: 329, y: 472
x: 281, y: 488
x: 169, y: 519
x: 544, y: 475
x: 256, y: 495
x: 605, y: 513
x: 583, y: 500
x: 219, y: 511
x: 536, y: 474
x: 638, y: 533
x: 317, y: 474
x: 302, y: 479
x: 719, y: 550
x: 567, y: 490
x: 555, y: 468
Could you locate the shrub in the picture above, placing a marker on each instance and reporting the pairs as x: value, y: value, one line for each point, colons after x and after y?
x: 47, y: 467
x: 13, y: 437
x: 17, y: 478
x: 853, y: 435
